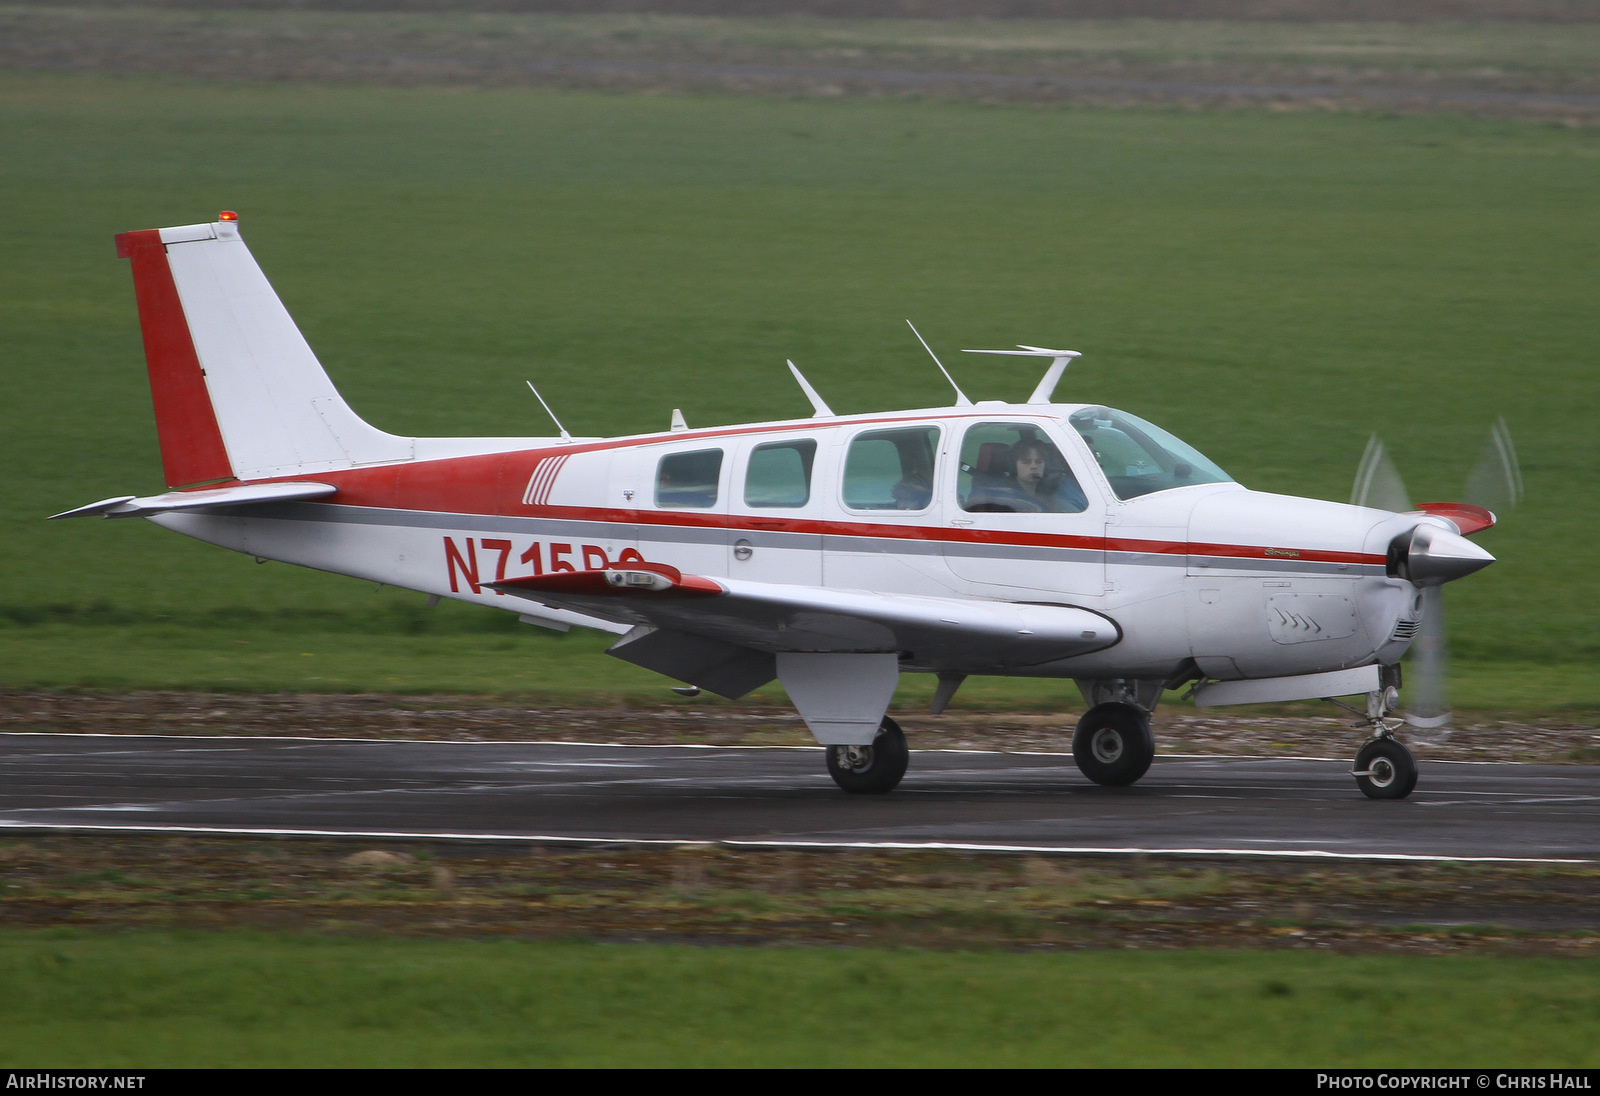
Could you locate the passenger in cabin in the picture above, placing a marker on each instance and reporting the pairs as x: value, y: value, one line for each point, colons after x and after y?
x: 914, y: 492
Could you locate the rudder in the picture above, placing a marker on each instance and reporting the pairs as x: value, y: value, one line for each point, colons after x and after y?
x: 238, y: 392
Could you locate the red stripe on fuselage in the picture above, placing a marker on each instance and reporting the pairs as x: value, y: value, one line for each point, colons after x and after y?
x: 191, y: 443
x: 494, y: 485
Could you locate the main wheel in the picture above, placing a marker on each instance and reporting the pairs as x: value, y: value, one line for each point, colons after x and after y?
x: 1385, y: 769
x: 874, y: 769
x: 1113, y: 744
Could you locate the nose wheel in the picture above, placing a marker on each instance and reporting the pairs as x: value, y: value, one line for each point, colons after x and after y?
x: 1385, y: 769
x: 874, y: 769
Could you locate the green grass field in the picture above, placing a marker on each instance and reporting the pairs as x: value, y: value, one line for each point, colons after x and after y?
x: 1272, y: 287
x: 247, y: 999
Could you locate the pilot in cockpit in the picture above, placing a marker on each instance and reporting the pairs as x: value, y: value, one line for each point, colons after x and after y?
x: 1028, y: 477
x: 1044, y: 478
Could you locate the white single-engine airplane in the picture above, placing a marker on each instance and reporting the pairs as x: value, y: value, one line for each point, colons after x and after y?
x: 832, y: 553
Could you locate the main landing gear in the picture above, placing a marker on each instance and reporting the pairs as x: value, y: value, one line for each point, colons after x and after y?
x: 874, y: 769
x: 1113, y: 744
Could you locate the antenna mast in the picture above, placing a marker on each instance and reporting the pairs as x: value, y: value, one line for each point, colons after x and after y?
x: 564, y: 435
x: 961, y: 397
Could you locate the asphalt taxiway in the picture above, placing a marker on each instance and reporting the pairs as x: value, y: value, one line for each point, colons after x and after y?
x: 585, y: 793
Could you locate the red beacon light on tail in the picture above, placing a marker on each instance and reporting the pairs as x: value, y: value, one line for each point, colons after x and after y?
x: 227, y: 215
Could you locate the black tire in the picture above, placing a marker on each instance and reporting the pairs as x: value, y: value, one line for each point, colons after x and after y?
x: 1385, y: 770
x: 874, y: 769
x: 1113, y: 744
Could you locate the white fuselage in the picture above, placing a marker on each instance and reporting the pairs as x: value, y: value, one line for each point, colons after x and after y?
x: 1245, y: 584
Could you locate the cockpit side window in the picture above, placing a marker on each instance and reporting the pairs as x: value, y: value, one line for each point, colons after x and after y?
x: 1139, y: 457
x: 686, y: 481
x: 891, y: 469
x: 1013, y: 468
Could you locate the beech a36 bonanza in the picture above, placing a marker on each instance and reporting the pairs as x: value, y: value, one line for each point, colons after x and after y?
x: 832, y: 553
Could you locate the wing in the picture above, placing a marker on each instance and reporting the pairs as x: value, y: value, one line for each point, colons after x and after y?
x: 722, y: 633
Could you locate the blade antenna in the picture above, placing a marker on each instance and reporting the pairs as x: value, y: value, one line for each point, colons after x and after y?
x: 1052, y: 376
x: 564, y: 435
x: 961, y: 397
x: 1059, y: 360
x: 818, y: 406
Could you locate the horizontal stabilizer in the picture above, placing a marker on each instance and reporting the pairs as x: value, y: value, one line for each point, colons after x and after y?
x: 245, y: 494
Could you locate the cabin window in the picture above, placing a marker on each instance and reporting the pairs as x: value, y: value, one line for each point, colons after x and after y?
x: 891, y: 469
x: 1013, y: 468
x: 1139, y: 457
x: 686, y: 481
x: 779, y: 474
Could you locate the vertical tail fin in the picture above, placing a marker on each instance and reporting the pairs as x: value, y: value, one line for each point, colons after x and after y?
x: 237, y: 391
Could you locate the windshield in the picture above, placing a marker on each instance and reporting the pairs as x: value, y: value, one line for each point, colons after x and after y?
x: 1139, y: 457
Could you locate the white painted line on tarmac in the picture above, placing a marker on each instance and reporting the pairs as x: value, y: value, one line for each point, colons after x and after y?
x: 676, y: 746
x: 1141, y: 851
x: 409, y: 741
x: 780, y: 843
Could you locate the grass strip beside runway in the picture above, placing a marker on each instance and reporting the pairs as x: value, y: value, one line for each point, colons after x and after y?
x: 1270, y: 287
x: 247, y: 999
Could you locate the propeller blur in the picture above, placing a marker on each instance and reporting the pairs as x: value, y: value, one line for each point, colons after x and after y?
x: 1493, y: 489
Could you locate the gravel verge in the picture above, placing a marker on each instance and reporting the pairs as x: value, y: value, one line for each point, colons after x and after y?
x: 1473, y: 737
x: 846, y: 897
x: 720, y: 896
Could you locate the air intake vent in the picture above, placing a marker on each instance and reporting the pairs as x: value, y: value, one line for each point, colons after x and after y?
x: 1406, y: 629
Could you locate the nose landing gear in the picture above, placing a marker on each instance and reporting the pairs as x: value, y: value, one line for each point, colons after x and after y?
x: 1384, y: 768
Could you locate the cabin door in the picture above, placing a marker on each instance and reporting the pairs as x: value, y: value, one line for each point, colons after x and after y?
x: 1022, y: 522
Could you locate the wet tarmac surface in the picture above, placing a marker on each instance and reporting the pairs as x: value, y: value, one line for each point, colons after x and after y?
x: 783, y: 796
